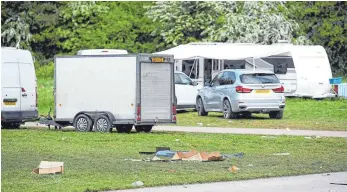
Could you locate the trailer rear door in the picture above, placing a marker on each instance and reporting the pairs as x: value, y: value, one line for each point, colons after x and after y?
x: 157, y: 90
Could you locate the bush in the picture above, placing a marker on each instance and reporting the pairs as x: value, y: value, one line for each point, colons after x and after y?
x: 45, y: 71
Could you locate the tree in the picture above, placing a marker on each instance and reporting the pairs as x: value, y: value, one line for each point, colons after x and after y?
x: 116, y: 25
x: 325, y: 23
x: 251, y: 22
x: 30, y: 24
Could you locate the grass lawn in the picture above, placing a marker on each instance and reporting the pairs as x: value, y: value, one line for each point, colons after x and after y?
x: 96, y: 161
x: 299, y: 114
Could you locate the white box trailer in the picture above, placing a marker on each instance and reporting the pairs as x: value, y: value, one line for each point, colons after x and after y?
x: 99, y: 92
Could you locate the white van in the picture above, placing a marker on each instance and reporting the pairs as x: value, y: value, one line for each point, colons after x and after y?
x: 18, y: 87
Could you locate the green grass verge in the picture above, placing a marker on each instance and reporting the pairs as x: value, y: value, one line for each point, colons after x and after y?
x: 298, y: 114
x: 95, y: 161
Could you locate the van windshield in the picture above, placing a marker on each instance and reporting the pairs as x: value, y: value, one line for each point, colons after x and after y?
x: 182, y: 79
x: 259, y: 78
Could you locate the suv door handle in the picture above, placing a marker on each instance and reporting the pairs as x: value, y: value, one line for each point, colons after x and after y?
x: 24, y: 95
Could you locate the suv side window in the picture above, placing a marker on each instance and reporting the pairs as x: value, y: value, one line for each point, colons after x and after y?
x: 228, y: 78
x: 233, y: 77
x: 216, y: 80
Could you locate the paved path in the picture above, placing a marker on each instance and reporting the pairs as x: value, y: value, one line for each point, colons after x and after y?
x: 253, y: 131
x: 304, y: 183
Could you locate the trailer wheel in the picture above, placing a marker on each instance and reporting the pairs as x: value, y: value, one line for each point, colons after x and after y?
x: 83, y: 123
x: 102, y: 124
x: 124, y: 128
x: 10, y: 125
x: 144, y: 128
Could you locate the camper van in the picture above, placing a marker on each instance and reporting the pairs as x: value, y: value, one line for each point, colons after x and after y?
x: 18, y: 87
x: 304, y: 71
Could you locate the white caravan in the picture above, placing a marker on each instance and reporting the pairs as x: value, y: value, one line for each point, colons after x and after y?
x: 18, y: 87
x: 304, y: 71
x: 99, y: 92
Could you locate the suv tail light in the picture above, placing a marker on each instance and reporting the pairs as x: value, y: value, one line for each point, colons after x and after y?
x: 241, y: 89
x: 138, y: 112
x: 278, y: 90
x: 174, y: 112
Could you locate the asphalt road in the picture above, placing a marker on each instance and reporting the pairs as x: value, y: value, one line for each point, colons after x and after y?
x: 253, y: 131
x: 304, y: 183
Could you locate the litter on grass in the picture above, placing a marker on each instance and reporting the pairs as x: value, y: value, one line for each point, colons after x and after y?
x: 49, y: 167
x: 137, y: 184
x: 281, y: 154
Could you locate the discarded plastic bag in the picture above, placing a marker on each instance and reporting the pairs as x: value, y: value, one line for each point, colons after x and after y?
x: 137, y: 184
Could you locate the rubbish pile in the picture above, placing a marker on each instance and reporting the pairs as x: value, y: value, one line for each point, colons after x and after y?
x: 165, y: 154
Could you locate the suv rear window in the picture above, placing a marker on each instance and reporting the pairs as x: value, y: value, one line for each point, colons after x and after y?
x: 259, y: 78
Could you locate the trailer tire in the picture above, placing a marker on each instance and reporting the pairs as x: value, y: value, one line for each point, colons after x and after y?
x: 124, y: 128
x: 83, y: 123
x: 102, y: 124
x: 10, y: 125
x: 144, y: 128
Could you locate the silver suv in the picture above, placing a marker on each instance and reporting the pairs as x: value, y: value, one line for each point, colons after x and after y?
x: 242, y: 92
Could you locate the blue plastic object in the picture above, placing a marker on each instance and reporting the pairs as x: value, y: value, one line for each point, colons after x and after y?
x: 336, y: 80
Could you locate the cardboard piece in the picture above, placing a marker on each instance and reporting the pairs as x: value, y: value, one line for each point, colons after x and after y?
x: 49, y: 167
x: 197, y: 156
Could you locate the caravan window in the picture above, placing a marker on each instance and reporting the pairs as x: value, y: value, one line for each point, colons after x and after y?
x: 234, y: 64
x: 278, y: 60
x: 191, y: 68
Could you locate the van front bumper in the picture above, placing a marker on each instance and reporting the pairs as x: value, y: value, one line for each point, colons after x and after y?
x: 15, y: 116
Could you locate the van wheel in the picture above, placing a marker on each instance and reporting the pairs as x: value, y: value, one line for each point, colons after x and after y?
x: 10, y: 125
x: 124, y: 128
x: 200, y: 108
x: 102, y: 124
x: 144, y: 128
x: 276, y: 114
x: 83, y: 123
x: 227, y: 111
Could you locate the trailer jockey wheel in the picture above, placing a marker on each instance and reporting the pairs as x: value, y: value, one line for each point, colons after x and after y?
x: 124, y: 128
x: 83, y: 123
x: 143, y: 128
x: 102, y: 124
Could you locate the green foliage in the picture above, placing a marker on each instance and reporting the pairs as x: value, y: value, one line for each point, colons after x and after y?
x: 249, y: 22
x: 120, y: 25
x: 45, y: 71
x: 325, y: 23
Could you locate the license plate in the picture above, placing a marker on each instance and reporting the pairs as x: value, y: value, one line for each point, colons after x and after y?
x: 10, y: 103
x: 262, y: 91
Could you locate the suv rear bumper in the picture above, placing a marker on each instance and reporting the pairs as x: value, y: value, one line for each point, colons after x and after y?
x: 258, y: 107
x: 15, y: 116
